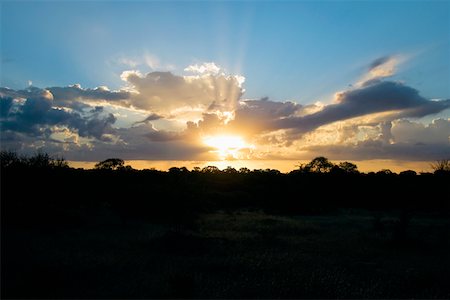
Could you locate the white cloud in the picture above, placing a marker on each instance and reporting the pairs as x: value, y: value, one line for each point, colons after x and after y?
x: 128, y: 62
x: 382, y: 67
x: 166, y: 93
x: 206, y: 68
x: 151, y: 61
x: 406, y: 131
x: 145, y: 60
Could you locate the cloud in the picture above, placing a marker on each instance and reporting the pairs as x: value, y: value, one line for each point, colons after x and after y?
x: 75, y: 92
x: 379, y: 62
x: 149, y: 118
x: 151, y: 61
x: 205, y: 68
x: 382, y: 67
x: 162, y: 115
x: 144, y: 60
x: 256, y: 116
x: 400, y: 139
x: 437, y: 132
x: 375, y: 149
x: 374, y: 97
x: 136, y: 143
x: 72, y: 96
x: 128, y: 62
x: 37, y: 114
x: 5, y: 106
x: 166, y: 93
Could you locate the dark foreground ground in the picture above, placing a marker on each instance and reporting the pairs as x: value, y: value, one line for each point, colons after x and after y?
x: 232, y: 255
x: 76, y: 234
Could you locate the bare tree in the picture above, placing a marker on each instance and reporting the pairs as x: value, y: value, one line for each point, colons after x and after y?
x: 442, y: 165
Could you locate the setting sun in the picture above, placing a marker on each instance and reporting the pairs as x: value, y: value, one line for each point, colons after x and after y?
x: 227, y: 146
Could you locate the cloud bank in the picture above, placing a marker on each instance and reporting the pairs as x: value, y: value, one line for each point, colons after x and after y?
x: 161, y: 115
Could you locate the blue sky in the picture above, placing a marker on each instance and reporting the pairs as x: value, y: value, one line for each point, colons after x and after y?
x: 160, y: 80
x: 297, y: 50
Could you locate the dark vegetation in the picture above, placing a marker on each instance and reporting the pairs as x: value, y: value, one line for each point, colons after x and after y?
x: 321, y: 231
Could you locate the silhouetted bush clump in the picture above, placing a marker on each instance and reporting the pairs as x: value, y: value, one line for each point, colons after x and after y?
x: 10, y: 159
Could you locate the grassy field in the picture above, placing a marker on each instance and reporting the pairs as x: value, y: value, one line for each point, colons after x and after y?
x: 240, y: 254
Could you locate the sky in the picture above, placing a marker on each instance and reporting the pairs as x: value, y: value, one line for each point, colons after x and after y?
x: 233, y: 82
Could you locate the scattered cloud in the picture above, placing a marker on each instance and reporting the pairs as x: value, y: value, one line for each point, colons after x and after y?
x: 382, y: 67
x: 374, y: 97
x: 149, y: 118
x: 37, y: 116
x: 162, y: 115
x: 145, y: 60
x: 73, y: 96
x: 205, y: 68
x: 151, y: 61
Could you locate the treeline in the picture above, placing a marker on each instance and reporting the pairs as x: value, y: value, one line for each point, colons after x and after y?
x: 44, y: 190
x: 319, y: 165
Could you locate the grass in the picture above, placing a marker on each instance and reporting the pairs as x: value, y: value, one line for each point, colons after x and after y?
x: 237, y: 254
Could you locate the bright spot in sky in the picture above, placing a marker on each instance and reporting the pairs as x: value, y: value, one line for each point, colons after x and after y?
x: 227, y: 146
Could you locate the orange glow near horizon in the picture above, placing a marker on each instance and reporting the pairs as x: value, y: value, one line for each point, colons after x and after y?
x: 281, y: 165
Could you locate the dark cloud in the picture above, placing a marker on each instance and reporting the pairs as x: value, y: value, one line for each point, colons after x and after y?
x: 257, y: 115
x: 96, y: 127
x: 379, y: 61
x: 69, y: 96
x: 75, y: 92
x: 36, y: 114
x: 379, y: 96
x: 137, y: 144
x: 266, y: 109
x: 165, y: 136
x: 5, y: 106
x: 376, y: 149
x: 149, y: 118
x: 30, y: 92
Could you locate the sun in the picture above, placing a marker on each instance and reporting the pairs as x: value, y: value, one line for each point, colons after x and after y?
x: 227, y: 146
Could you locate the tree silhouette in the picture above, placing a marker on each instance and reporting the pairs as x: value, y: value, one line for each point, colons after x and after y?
x: 442, y: 165
x: 244, y: 170
x: 211, y: 170
x: 9, y: 159
x: 319, y: 165
x: 385, y: 172
x: 230, y: 170
x: 40, y: 160
x: 110, y: 164
x: 408, y: 173
x: 348, y: 167
x: 176, y: 170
